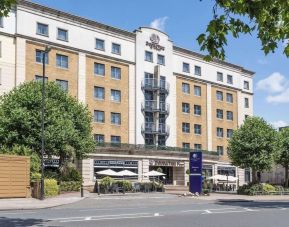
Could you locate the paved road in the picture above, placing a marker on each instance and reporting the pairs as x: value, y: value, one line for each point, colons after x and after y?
x: 153, y: 210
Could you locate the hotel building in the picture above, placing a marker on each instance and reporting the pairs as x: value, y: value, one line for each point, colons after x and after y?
x: 151, y: 100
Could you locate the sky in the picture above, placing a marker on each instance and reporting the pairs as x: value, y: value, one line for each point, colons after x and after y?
x: 183, y: 21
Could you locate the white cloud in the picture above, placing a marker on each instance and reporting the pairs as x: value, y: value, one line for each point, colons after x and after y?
x: 283, y: 97
x: 278, y: 124
x: 274, y: 83
x: 159, y: 23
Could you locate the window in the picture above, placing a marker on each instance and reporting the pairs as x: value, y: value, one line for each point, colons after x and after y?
x: 197, y: 110
x: 186, y: 67
x: 246, y: 85
x: 61, y: 61
x: 63, y: 84
x: 1, y: 22
x: 115, y: 139
x: 197, y: 147
x: 220, y: 150
x: 246, y: 116
x: 246, y: 103
x: 229, y: 115
x: 99, y: 116
x: 220, y: 114
x: 62, y: 34
x: 219, y: 76
x: 42, y: 29
x: 229, y: 133
x: 186, y: 145
x: 197, y: 91
x: 99, y: 93
x: 229, y: 98
x: 115, y: 73
x: 219, y: 95
x: 197, y: 129
x: 115, y: 95
x: 115, y: 48
x: 198, y: 71
x: 186, y: 127
x: 220, y: 132
x: 39, y: 56
x: 99, y: 138
x: 229, y: 79
x: 149, y: 56
x: 99, y: 69
x: 186, y: 107
x: 99, y: 44
x: 115, y: 118
x: 40, y: 78
x: 186, y: 88
x: 161, y: 59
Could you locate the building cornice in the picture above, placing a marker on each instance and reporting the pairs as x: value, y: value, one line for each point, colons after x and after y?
x: 201, y: 57
x: 74, y: 18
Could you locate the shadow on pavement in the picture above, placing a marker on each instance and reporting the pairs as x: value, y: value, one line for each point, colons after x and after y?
x: 254, y: 204
x: 17, y: 222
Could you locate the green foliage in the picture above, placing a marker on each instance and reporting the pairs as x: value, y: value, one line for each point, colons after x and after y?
x: 35, y: 162
x: 6, y: 6
x: 51, y: 174
x: 253, y: 145
x: 159, y: 169
x: 269, y: 19
x: 252, y: 189
x: 69, y: 186
x: 35, y: 177
x: 50, y: 187
x: 127, y: 185
x: 106, y: 182
x: 71, y: 175
x: 188, y: 171
x: 67, y: 122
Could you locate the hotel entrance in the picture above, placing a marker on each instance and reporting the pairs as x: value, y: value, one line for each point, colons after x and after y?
x: 168, y: 171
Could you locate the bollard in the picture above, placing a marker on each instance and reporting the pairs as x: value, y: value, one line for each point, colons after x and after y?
x: 98, y: 189
x: 81, y: 190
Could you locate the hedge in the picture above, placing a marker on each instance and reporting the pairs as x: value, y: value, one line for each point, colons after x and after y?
x: 50, y: 187
x: 69, y: 186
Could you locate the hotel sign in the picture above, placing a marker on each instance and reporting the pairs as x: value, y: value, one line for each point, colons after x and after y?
x: 166, y: 163
x: 154, y: 43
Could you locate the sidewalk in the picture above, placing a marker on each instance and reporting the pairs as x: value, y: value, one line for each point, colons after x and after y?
x: 31, y: 203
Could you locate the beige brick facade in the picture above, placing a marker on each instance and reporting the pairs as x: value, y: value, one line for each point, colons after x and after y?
x: 107, y: 129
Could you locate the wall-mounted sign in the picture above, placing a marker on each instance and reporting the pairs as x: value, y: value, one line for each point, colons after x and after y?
x: 154, y: 43
x: 166, y: 163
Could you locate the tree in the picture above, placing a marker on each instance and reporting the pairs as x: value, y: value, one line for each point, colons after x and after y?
x: 5, y: 7
x: 253, y: 146
x: 270, y: 19
x: 67, y: 122
x: 282, y: 148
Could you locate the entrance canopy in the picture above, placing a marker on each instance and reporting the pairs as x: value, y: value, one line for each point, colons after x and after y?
x: 107, y: 172
x: 126, y: 173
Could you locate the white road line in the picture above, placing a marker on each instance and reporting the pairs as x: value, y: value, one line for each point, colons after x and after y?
x: 125, y: 198
x: 112, y: 218
x: 99, y: 216
x: 248, y: 209
x: 208, y: 212
x: 18, y: 213
x: 113, y: 208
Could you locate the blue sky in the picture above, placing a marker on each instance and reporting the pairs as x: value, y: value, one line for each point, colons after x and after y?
x: 183, y: 21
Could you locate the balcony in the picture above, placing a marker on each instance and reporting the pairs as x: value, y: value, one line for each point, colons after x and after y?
x: 157, y: 129
x: 152, y: 106
x: 155, y: 85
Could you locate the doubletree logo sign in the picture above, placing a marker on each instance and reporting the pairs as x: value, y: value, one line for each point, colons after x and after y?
x: 154, y: 44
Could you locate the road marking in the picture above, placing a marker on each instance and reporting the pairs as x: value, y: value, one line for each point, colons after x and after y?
x: 99, y: 216
x: 156, y: 214
x: 228, y: 208
x: 114, y: 208
x: 208, y: 212
x: 19, y: 213
x: 112, y: 218
x: 125, y: 198
x: 248, y: 209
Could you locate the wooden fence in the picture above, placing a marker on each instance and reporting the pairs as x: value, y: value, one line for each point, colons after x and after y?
x: 14, y: 176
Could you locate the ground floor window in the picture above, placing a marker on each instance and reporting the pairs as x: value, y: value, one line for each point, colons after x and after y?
x: 226, y: 170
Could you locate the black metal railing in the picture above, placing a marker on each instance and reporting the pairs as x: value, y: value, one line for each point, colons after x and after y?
x: 155, y: 84
x: 153, y: 147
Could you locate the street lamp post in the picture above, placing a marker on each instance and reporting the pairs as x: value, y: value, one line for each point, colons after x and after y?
x: 46, y: 51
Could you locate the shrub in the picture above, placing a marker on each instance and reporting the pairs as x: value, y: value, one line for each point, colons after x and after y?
x: 71, y: 175
x: 35, y: 177
x: 251, y: 189
x: 127, y: 185
x: 268, y: 188
x: 106, y: 182
x: 50, y: 187
x: 51, y: 174
x: 69, y: 186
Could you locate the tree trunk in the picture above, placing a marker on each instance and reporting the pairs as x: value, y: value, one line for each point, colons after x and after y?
x: 286, y: 176
x: 254, y: 176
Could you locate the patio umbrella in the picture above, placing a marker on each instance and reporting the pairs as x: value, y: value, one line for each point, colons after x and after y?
x: 107, y: 172
x: 154, y: 173
x: 218, y: 177
x: 126, y: 173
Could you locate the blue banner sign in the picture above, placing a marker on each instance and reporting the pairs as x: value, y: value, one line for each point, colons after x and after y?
x: 196, y: 172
